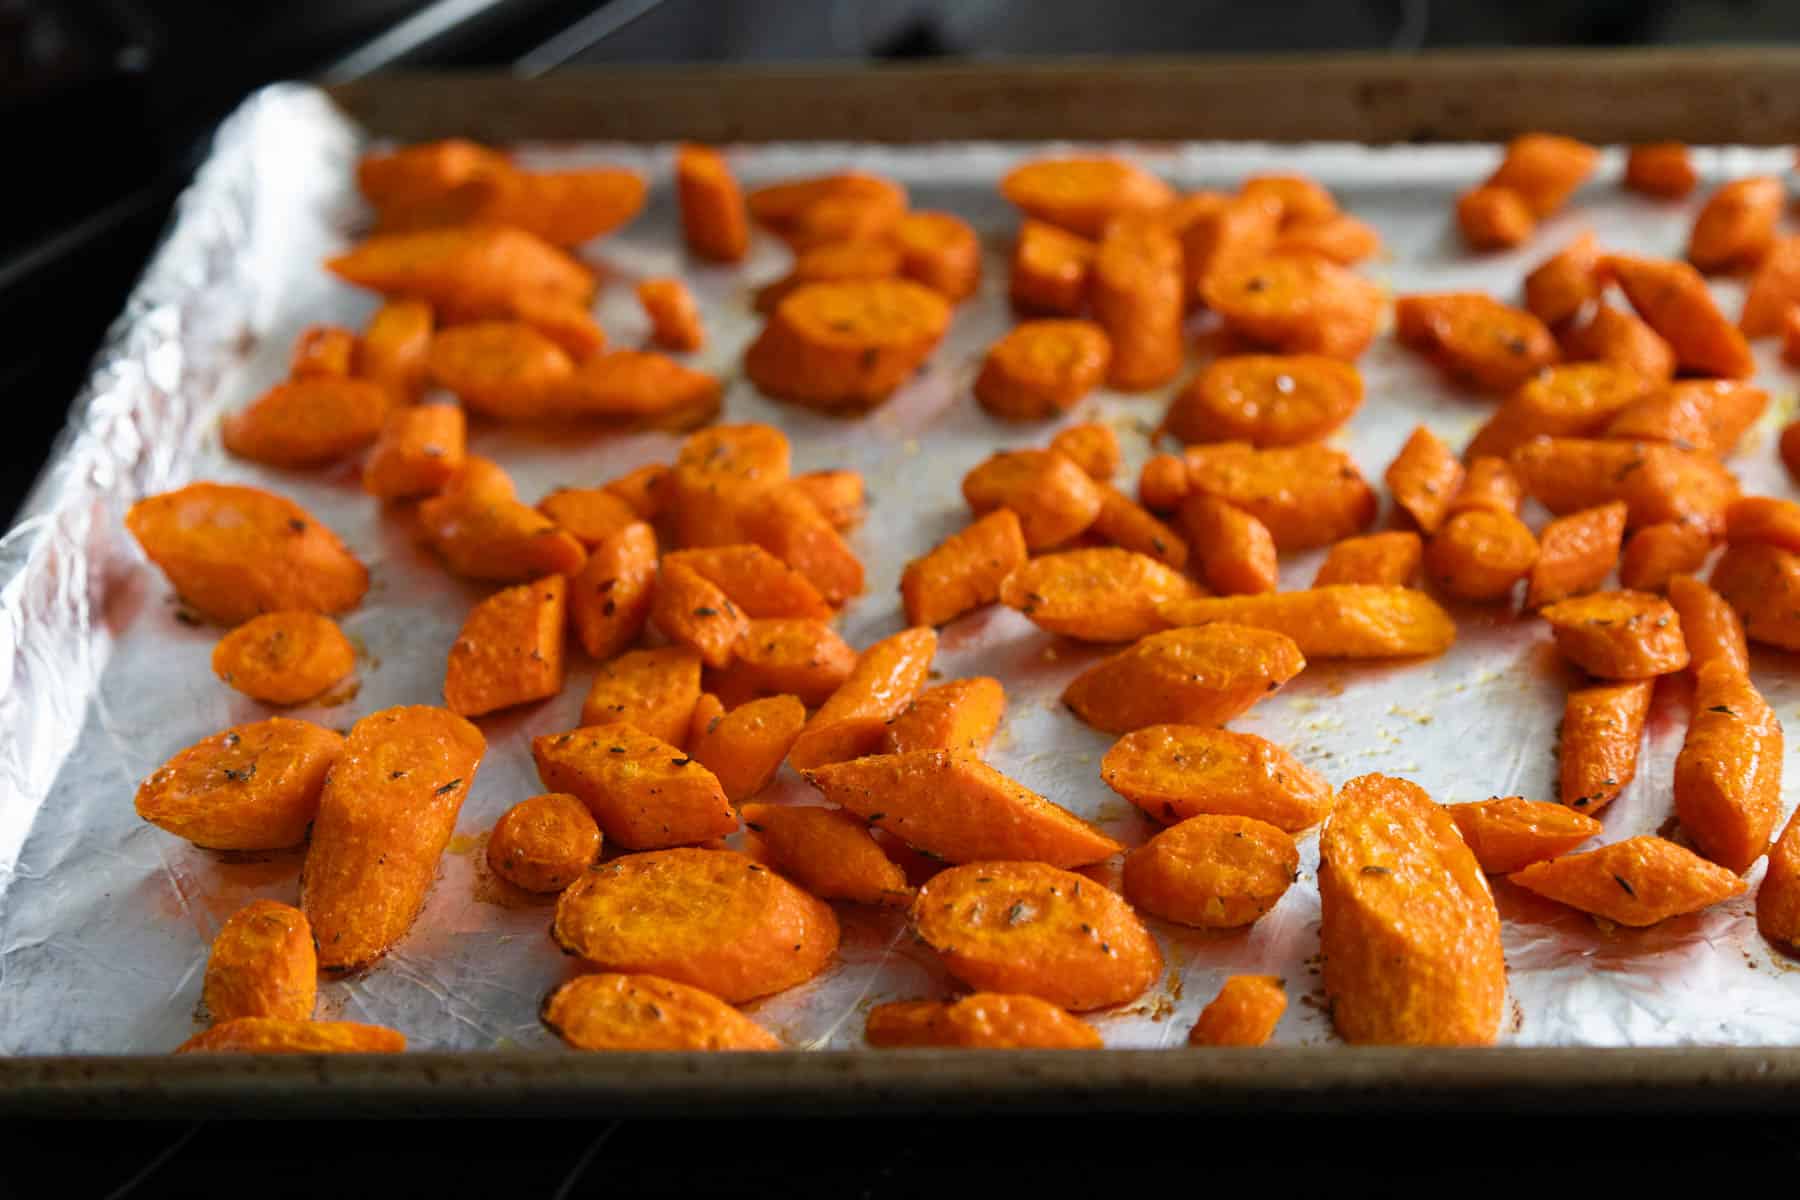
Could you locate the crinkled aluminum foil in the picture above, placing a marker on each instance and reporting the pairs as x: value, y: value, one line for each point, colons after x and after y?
x: 105, y: 921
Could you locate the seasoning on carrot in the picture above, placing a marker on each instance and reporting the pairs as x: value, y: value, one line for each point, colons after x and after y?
x: 1095, y: 595
x: 987, y: 1020
x: 714, y: 222
x: 1050, y: 270
x: 262, y: 964
x: 1425, y: 478
x: 1136, y: 294
x: 419, y: 450
x: 1657, y: 482
x: 510, y: 650
x: 1564, y: 284
x: 777, y: 657
x: 690, y: 610
x: 1336, y: 621
x: 1042, y: 369
x: 745, y: 746
x: 544, y: 843
x: 1656, y: 553
x: 652, y: 690
x: 1619, y: 634
x: 1709, y: 625
x: 1214, y: 872
x: 1575, y: 554
x: 1176, y: 772
x: 1296, y: 304
x: 1510, y: 833
x: 250, y: 787
x: 492, y: 535
x: 1636, y: 882
x: 1053, y: 498
x: 1728, y: 774
x: 826, y: 851
x: 846, y: 346
x: 1602, y: 727
x: 1576, y: 400
x: 284, y: 658
x: 637, y: 1012
x: 1673, y: 299
x: 1244, y: 1013
x: 644, y: 793
x: 1130, y: 526
x: 1474, y: 338
x: 1204, y: 675
x: 1381, y: 559
x: 1736, y: 225
x: 1083, y: 194
x: 1708, y: 415
x: 609, y: 600
x: 1266, y: 400
x: 1307, y: 496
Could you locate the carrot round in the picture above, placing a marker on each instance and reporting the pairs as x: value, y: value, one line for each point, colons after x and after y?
x: 1053, y: 498
x: 1619, y: 635
x: 1244, y: 1013
x: 1177, y: 772
x: 284, y: 658
x: 1480, y: 555
x: 1564, y: 284
x: 790, y: 209
x: 544, y: 843
x: 1295, y: 304
x: 1163, y: 482
x: 1674, y: 301
x: 1335, y: 621
x: 1575, y: 554
x: 1494, y: 218
x: 825, y: 851
x: 1382, y: 559
x: 1510, y: 833
x: 262, y: 964
x: 385, y: 817
x: 610, y: 1011
x: 846, y: 346
x: 1408, y: 928
x: 1728, y: 774
x: 1602, y: 728
x: 1266, y: 400
x: 1050, y: 270
x: 1095, y: 595
x: 1339, y: 238
x: 1032, y: 928
x: 1083, y: 194
x: 939, y: 250
x: 1136, y: 293
x: 1660, y: 169
x: 783, y: 656
x: 471, y: 273
x: 714, y: 222
x: 501, y: 369
x: 1636, y: 882
x: 832, y: 262
x: 746, y: 746
x: 1307, y: 496
x: 643, y: 792
x: 419, y: 450
x: 277, y: 1035
x: 1709, y: 625
x: 1236, y: 551
x: 510, y: 649
x: 962, y: 714
x: 307, y: 422
x: 986, y: 1020
x: 1200, y: 676
x: 1474, y: 338
x: 674, y: 317
x: 712, y: 919
x: 1093, y: 447
x: 250, y: 787
x: 1621, y: 338
x: 1042, y: 368
x: 1545, y: 169
x: 1655, y: 554
x: 652, y: 690
x: 1736, y: 225
x: 886, y: 677
x: 1214, y: 872
x: 1425, y: 478
x: 609, y: 601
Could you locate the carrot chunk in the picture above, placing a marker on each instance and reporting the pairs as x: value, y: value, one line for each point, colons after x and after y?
x: 1774, y: 289
x: 1408, y: 928
x: 610, y: 1011
x: 1177, y: 772
x: 1266, y: 400
x: 421, y: 173
x: 1093, y: 447
x: 510, y: 650
x: 1295, y: 304
x: 758, y: 583
x: 1510, y: 833
x: 1163, y: 483
x: 544, y: 843
x: 1709, y: 625
x: 1636, y: 882
x: 746, y: 746
x: 1340, y: 238
x: 1236, y: 551
x: 1602, y: 727
x: 1214, y: 872
x: 1614, y: 336
x: 952, y: 804
x: 1708, y: 415
x: 1033, y: 928
x: 1339, y: 621
x: 846, y: 346
x: 674, y: 317
x: 1769, y: 520
x: 1307, y: 496
x: 284, y: 658
x: 1660, y: 169
x: 643, y: 792
x: 1655, y: 554
x: 609, y: 601
x: 883, y: 682
x: 589, y: 515
x: 1672, y: 298
x: 1042, y: 368
x: 1575, y: 554
x: 1762, y: 582
x: 250, y: 787
x: 941, y: 251
x: 1657, y: 482
x: 1379, y: 559
x: 1050, y: 270
x: 322, y: 352
x: 1200, y: 676
x: 711, y: 919
x: 1545, y: 169
x: 394, y: 347
x: 1736, y: 225
x: 419, y: 450
x: 1494, y: 218
x: 1136, y: 294
x: 1244, y: 1013
x: 651, y: 690
x: 714, y: 222
x: 783, y: 521
x: 1425, y: 478
x: 1475, y: 339
x: 832, y: 262
x: 837, y: 494
x: 1564, y: 284
x: 496, y: 537
x: 961, y: 715
x: 784, y: 656
x: 1568, y: 401
x: 827, y: 207
x: 1083, y: 194
x: 635, y: 385
x: 1096, y: 595
x: 1131, y: 527
x: 275, y: 1035
x: 307, y: 422
x: 1728, y: 774
x: 1778, y: 899
x: 690, y: 610
x: 470, y: 273
x: 1054, y: 499
x: 262, y: 964
x: 1619, y: 635
x: 827, y: 852
x: 987, y: 1020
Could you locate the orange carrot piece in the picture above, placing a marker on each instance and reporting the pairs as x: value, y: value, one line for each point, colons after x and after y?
x: 1050, y: 270
x: 1382, y: 559
x: 1565, y: 283
x: 1054, y: 499
x: 1568, y: 401
x: 510, y: 650
x: 790, y: 209
x: 846, y: 346
x: 1545, y: 169
x: 1244, y: 1013
x: 1510, y: 833
x: 941, y: 251
x: 385, y: 818
x: 1163, y: 483
x: 961, y: 715
x: 544, y: 843
x: 502, y: 369
x: 1083, y: 194
x: 1474, y: 338
x: 1575, y: 554
x: 636, y: 384
x: 393, y: 348
x: 1425, y: 478
x: 1728, y: 774
x: 1136, y: 293
x: 964, y: 571
x: 1736, y: 226
x: 1602, y: 727
x: 721, y: 922
x: 1636, y: 882
x: 411, y: 175
x: 1614, y: 336
x: 1212, y: 872
x: 832, y: 262
x: 787, y: 524
x: 285, y: 657
x: 307, y: 422
x: 1708, y: 415
x: 419, y: 450
x: 609, y: 601
x: 1096, y: 595
x: 987, y: 1020
x: 1763, y: 519
x: 652, y: 690
x: 1619, y: 635
x: 1033, y: 928
x: 495, y: 537
x: 1296, y: 305
x: 610, y: 1011
x: 1307, y: 496
x: 714, y: 222
x: 837, y: 494
x: 1266, y: 400
x: 1224, y: 234
x: 1093, y: 447
x: 1340, y: 238
x: 745, y: 746
x: 1657, y: 482
x: 674, y: 317
x: 262, y: 964
x: 1774, y: 289
x: 1778, y: 899
x: 1494, y: 218
x: 1672, y: 298
x: 644, y: 793
x: 826, y: 851
x: 757, y: 582
x: 274, y: 1035
x: 1709, y: 625
x: 1338, y: 621
x: 778, y: 657
x: 883, y: 682
x: 470, y: 273
x: 1204, y: 675
x: 1236, y: 551
x: 1131, y: 527
x: 1790, y: 340
x: 1762, y: 582
x: 1660, y: 169
x: 1041, y: 369
x: 322, y: 352
x: 589, y: 515
x: 250, y: 787
x: 1408, y: 928
x: 1657, y: 553
x: 751, y: 451
x: 692, y: 611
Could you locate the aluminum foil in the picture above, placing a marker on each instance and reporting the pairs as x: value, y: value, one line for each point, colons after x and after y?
x: 105, y: 921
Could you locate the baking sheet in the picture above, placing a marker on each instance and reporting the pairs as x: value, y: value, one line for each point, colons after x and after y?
x: 104, y: 920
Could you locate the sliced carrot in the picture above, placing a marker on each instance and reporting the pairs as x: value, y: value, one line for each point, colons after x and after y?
x: 1095, y: 595
x: 497, y: 538
x: 961, y: 715
x: 1339, y: 621
x: 1657, y: 482
x: 849, y: 345
x: 284, y: 657
x: 1660, y: 169
x: 1093, y: 447
x: 1576, y: 400
x: 1425, y: 478
x: 1236, y: 552
x: 250, y: 787
x: 1408, y: 928
x: 1619, y: 635
x: 1510, y: 833
x: 1029, y: 927
x: 510, y: 650
x: 837, y: 494
x: 714, y: 222
x: 643, y: 791
x: 1299, y: 197
x: 307, y: 422
x: 1636, y: 882
x: 712, y: 919
x: 1673, y: 300
x: 1083, y: 194
x: 1762, y: 582
x: 1709, y: 625
x: 608, y: 1011
x: 1339, y: 238
x: 1241, y: 229
x: 751, y: 451
x: 1266, y: 400
x: 1042, y: 368
x: 1307, y: 496
x: 1736, y: 225
x: 1615, y: 336
x: 411, y: 175
x: 1778, y: 899
x: 1382, y: 559
x: 883, y: 682
x: 420, y: 448
x: 1475, y: 338
x: 571, y: 326
x: 1197, y: 676
x: 1050, y: 269
x: 1494, y: 218
x: 795, y: 657
x: 471, y: 273
x: 502, y: 369
x: 1766, y: 519
x: 788, y: 525
x: 589, y: 515
x: 1657, y: 553
x: 1131, y: 527
x: 1728, y: 774
x: 941, y: 251
x: 393, y: 348
x: 1136, y: 293
x: 1053, y: 498
x: 609, y: 601
x: 986, y: 1019
x: 757, y: 583
x: 544, y: 843
x: 1561, y: 286
x: 276, y: 1035
x: 633, y: 384
x: 832, y: 262
x: 1708, y: 415
x: 652, y: 690
x: 1601, y: 729
x: 1575, y: 554
x: 826, y: 851
x: 322, y: 352
x: 827, y: 208
x: 674, y: 317
x: 1296, y: 304
x: 1545, y: 169
x: 746, y: 746
x: 262, y: 964
x: 1213, y: 872
x: 1163, y: 482
x: 1774, y: 289
x: 1177, y: 772
x: 1244, y: 1013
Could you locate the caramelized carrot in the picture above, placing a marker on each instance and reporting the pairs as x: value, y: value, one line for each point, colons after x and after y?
x: 1619, y: 635
x: 1762, y: 582
x: 1266, y: 400
x: 510, y: 650
x: 1602, y: 727
x: 1774, y: 289
x: 544, y: 843
x: 1384, y: 559
x: 1660, y: 169
x: 1575, y: 554
x: 1708, y: 415
x: 1053, y: 498
x: 1296, y: 304
x: 1092, y: 446
x: 1131, y: 527
x: 1614, y: 336
x: 1736, y: 226
x: 655, y: 690
x: 714, y: 223
x: 1709, y: 625
x: 986, y: 1019
x: 1636, y: 882
x: 1566, y: 282
x: 1177, y: 772
x: 1673, y: 300
x: 1204, y: 675
x: 961, y: 715
x: 643, y: 792
x: 1339, y: 621
x: 1728, y: 774
x: 1494, y: 218
x: 1083, y: 194
x: 609, y: 1011
x: 1657, y: 553
x: 1475, y: 338
x: 1050, y: 269
x: 941, y: 251
x: 1042, y: 368
x: 1307, y: 496
x: 1545, y: 169
x: 420, y: 448
x: 1213, y: 872
x: 674, y: 317
x: 1136, y: 295
x: 609, y: 600
x: 1163, y: 482
x: 846, y: 346
x: 250, y: 787
x: 826, y: 851
x: 1657, y: 482
x: 1096, y: 595
x: 886, y: 677
x: 1244, y: 1013
x: 1236, y: 551
x: 795, y: 657
x: 307, y: 422
x: 746, y: 746
x: 1509, y: 834
x: 284, y: 657
x: 1568, y: 401
x: 1425, y: 478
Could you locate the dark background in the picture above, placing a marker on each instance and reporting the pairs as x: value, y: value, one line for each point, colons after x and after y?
x: 106, y: 107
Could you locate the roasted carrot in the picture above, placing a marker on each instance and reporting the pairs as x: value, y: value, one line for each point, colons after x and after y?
x: 721, y: 922
x: 322, y: 352
x: 493, y: 536
x: 1295, y: 304
x: 1510, y: 833
x: 1494, y: 218
x: 1338, y: 621
x: 1577, y: 400
x: 796, y: 657
x: 1770, y: 520
x: 1708, y: 415
x: 884, y: 680
x: 1096, y: 595
x: 828, y: 207
x: 783, y: 521
x: 1236, y: 551
x: 1408, y: 928
x: 1093, y: 447
x: 232, y: 552
x: 393, y: 348
x: 837, y: 494
x: 987, y: 1020
x: 571, y: 326
x: 609, y: 601
x: 610, y: 1011
x: 1177, y: 772
x: 1602, y: 727
x: 1339, y: 238
x: 1266, y: 400
x: 250, y: 787
x: 544, y: 843
x: 1163, y: 482
x: 846, y: 346
x: 510, y: 650
x: 1619, y: 635
x: 385, y: 817
x: 501, y: 369
x: 1053, y: 498
x: 1214, y: 872
x: 1083, y: 194
x: 832, y: 262
x: 1561, y: 286
x: 1029, y: 927
x: 941, y: 251
x: 652, y: 690
x: 961, y: 715
x: 1575, y: 554
x: 1382, y: 559
x: 644, y: 793
x: 470, y: 273
x: 755, y: 581
x: 285, y: 657
x: 262, y: 964
x: 1660, y: 169
x: 1736, y: 225
x: 1774, y: 289
x: 1656, y: 553
x: 751, y: 451
x: 1762, y: 582
x: 1545, y: 169
x: 1615, y: 336
x: 1778, y: 899
x: 1042, y: 369
x: 1050, y: 270
x: 674, y: 317
x: 1199, y: 676
x: 1657, y: 482
x: 1474, y: 338
x: 1244, y: 1013
x: 1673, y: 300
x: 745, y: 746
x: 1136, y: 294
x: 636, y: 385
x: 1425, y: 478
x: 1131, y: 527
x: 419, y: 450
x: 1307, y: 496
x: 274, y: 1035
x: 714, y: 222
x: 589, y: 515
x: 1709, y: 625
x: 1639, y: 881
x: 416, y: 174
x: 692, y: 611
x: 825, y: 851
x: 307, y: 422
x: 1728, y: 774
x: 565, y: 208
